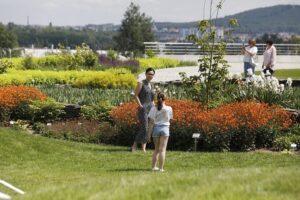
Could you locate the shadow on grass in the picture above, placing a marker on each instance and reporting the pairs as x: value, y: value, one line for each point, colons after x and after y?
x: 130, y: 170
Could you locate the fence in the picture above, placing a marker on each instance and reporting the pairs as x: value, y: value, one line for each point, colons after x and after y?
x: 231, y: 48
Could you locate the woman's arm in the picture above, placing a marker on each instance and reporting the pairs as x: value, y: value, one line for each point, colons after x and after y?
x: 137, y: 92
x: 273, y: 57
x: 250, y: 52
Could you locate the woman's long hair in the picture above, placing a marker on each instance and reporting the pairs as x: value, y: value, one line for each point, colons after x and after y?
x: 160, y: 99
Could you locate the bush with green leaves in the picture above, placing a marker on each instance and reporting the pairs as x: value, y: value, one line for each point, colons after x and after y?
x: 150, y: 53
x: 5, y: 64
x: 45, y: 111
x: 98, y: 112
x: 28, y: 63
x: 284, y: 142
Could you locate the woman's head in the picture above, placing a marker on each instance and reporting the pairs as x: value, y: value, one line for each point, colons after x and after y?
x: 161, y: 97
x: 252, y: 42
x: 269, y: 42
x: 150, y: 72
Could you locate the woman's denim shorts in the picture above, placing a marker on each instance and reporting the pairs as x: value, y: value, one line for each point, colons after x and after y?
x: 161, y: 130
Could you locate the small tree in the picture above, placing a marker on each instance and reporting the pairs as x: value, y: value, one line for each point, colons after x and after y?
x: 8, y: 39
x: 136, y: 28
x: 208, y: 85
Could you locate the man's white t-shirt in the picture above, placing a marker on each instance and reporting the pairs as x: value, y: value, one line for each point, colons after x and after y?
x: 161, y: 117
x: 247, y: 56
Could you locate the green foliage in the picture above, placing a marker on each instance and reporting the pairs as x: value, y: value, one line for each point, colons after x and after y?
x: 150, y: 53
x: 42, y: 36
x: 28, y: 63
x: 213, y: 67
x: 285, y: 142
x: 98, y: 112
x: 8, y: 40
x: 157, y: 63
x: 135, y: 29
x: 87, y: 96
x: 111, y: 54
x: 45, y: 111
x: 5, y: 64
x: 119, y: 78
x: 84, y: 58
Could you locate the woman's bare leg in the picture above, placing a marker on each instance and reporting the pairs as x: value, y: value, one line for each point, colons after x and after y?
x: 134, y: 147
x: 155, y: 152
x: 144, y: 147
x: 163, y: 141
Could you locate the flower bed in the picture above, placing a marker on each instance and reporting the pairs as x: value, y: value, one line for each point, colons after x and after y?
x: 235, y: 126
x: 12, y: 97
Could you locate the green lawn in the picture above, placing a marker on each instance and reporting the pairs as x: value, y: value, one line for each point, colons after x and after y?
x: 53, y: 169
x: 285, y: 73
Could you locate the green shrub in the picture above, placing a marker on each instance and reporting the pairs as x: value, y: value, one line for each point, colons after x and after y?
x: 40, y: 128
x: 45, y: 111
x: 28, y: 63
x: 111, y: 54
x: 98, y: 112
x: 157, y: 63
x: 285, y: 142
x: 5, y: 64
x: 150, y: 53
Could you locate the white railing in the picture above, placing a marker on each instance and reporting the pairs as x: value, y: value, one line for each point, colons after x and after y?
x: 171, y: 48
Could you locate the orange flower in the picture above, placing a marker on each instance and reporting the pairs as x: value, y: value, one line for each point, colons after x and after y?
x: 248, y: 115
x: 12, y: 96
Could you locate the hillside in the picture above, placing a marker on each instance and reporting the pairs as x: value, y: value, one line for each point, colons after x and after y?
x: 281, y: 18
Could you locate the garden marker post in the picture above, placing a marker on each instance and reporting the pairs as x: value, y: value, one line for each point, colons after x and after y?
x: 196, y: 136
x: 11, y: 187
x: 293, y: 146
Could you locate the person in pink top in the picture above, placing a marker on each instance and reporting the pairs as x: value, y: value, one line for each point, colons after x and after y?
x: 269, y: 57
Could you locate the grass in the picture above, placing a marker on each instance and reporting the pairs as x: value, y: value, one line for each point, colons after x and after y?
x: 285, y: 73
x: 54, y: 169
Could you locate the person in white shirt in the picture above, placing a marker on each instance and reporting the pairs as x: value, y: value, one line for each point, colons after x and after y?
x: 159, y: 125
x: 269, y: 57
x: 249, y: 52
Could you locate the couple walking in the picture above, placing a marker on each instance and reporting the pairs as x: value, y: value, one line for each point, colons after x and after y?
x: 154, y: 120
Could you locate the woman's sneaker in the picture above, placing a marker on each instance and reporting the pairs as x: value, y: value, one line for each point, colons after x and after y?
x: 155, y: 169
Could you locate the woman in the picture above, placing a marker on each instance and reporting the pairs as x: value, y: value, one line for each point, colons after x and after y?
x: 249, y: 52
x: 159, y: 125
x: 269, y: 57
x: 144, y: 97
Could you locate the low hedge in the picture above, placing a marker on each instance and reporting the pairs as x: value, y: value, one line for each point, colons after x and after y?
x: 120, y: 78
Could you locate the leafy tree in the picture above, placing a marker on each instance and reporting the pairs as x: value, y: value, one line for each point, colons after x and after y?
x: 208, y: 86
x: 8, y: 39
x: 136, y: 28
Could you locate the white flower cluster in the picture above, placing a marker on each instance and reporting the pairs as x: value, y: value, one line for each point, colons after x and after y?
x: 266, y: 81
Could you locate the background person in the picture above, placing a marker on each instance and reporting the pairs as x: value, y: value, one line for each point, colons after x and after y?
x: 144, y: 97
x: 249, y: 52
x: 159, y: 125
x: 269, y: 57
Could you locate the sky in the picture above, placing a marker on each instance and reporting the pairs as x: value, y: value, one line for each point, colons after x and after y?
x: 82, y: 12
